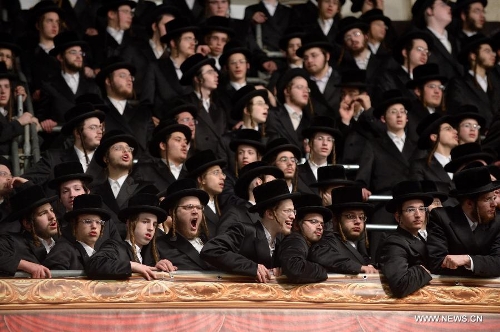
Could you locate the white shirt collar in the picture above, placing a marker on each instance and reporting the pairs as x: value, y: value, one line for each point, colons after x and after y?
x: 205, y: 102
x: 116, y: 34
x: 3, y: 111
x: 120, y: 181
x: 157, y: 53
x: 352, y: 244
x: 270, y: 241
x: 374, y: 47
x: 197, y: 243
x: 46, y: 50
x: 137, y: 250
x: 118, y: 104
x: 482, y: 81
x: 190, y: 4
x: 72, y: 80
x: 178, y: 70
x: 81, y: 157
x: 321, y: 82
x: 175, y: 170
x: 271, y: 8
x: 443, y: 160
x: 237, y: 86
x: 314, y: 167
x: 472, y: 224
x: 46, y: 245
x: 394, y: 136
x: 88, y: 249
x: 211, y: 205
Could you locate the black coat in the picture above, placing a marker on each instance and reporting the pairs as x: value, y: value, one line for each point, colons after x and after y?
x: 236, y: 214
x: 306, y: 175
x: 212, y: 220
x: 420, y: 171
x: 338, y: 256
x: 15, y: 247
x: 157, y: 172
x: 328, y: 102
x: 66, y: 255
x: 279, y: 124
x: 450, y: 234
x: 392, y: 78
x: 8, y: 131
x: 180, y: 252
x: 195, y: 15
x: 448, y: 64
x: 293, y: 255
x: 401, y: 257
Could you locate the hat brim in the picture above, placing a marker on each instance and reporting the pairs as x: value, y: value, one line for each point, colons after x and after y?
x: 494, y: 185
x: 455, y: 164
x: 198, y: 171
x: 325, y: 212
x: 101, y: 149
x: 15, y: 215
x: 233, y: 145
x: 469, y: 115
x: 262, y: 206
x: 170, y: 201
x: 55, y: 183
x: 68, y: 127
x: 241, y: 185
x: 225, y: 55
x: 424, y: 142
x: 103, y: 10
x: 188, y: 76
x: 104, y: 214
x: 394, y: 203
x: 438, y: 194
x: 160, y: 214
x: 412, y: 84
x: 177, y: 32
x: 101, y: 76
x: 380, y: 110
x: 285, y: 147
x: 160, y: 137
x: 61, y: 48
x: 283, y: 42
x: 333, y: 182
x: 237, y: 112
x: 368, y: 208
x: 354, y: 85
x: 16, y: 49
x: 321, y: 44
x: 310, y: 131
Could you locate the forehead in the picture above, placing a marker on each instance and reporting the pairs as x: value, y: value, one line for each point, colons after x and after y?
x: 117, y: 144
x: 51, y: 15
x: 419, y: 42
x: 41, y: 208
x: 4, y: 81
x: 4, y: 168
x: 91, y: 121
x: 469, y: 120
x: 413, y: 202
x: 257, y: 98
x: 397, y: 106
x: 353, y: 211
x: 218, y: 33
x: 177, y: 134
x: 298, y: 81
x: 313, y: 50
x: 242, y: 147
x: 187, y: 34
x: 147, y: 215
x: 213, y: 168
x: 5, y: 50
x: 436, y: 82
x: 284, y: 154
x: 84, y: 216
x: 124, y: 7
x: 185, y: 115
x: 348, y: 90
x: 206, y: 68
x: 236, y: 56
x: 353, y: 31
x: 295, y: 40
x: 313, y: 215
x: 444, y: 125
x: 285, y: 204
x: 74, y: 48
x: 121, y: 71
x: 189, y: 200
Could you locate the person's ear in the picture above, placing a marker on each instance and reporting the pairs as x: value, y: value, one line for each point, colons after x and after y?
x: 382, y: 119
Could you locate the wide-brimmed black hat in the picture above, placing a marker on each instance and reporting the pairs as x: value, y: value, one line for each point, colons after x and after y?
x: 408, y: 36
x: 143, y: 203
x: 241, y: 98
x: 151, y: 16
x: 233, y: 47
x: 290, y: 33
x: 110, y: 138
x: 429, y: 187
x: 311, y: 203
x: 6, y: 162
x: 44, y: 7
x: 391, y: 97
x: 270, y: 193
x: 179, y: 189
x: 471, y: 43
x: 71, y: 170
x: 473, y: 182
x: 26, y: 198
x: 349, y: 23
x: 65, y: 40
x: 87, y: 204
x: 430, y: 125
x: 7, y: 41
x: 460, y: 5
x: 191, y: 65
x: 353, y: 78
x: 405, y: 191
x: 331, y: 176
x: 5, y: 73
x: 247, y: 137
x: 349, y: 197
x: 375, y: 15
x: 176, y: 28
x: 110, y: 65
x: 94, y: 99
x: 218, y: 23
x: 79, y: 113
x: 165, y: 128
x: 469, y: 112
x: 420, y: 6
x: 465, y: 153
x: 176, y: 106
x: 249, y: 172
x: 114, y: 5
x: 201, y: 161
x: 314, y: 40
x: 286, y: 78
x: 356, y: 6
x: 274, y: 147
x: 324, y: 124
x: 425, y: 73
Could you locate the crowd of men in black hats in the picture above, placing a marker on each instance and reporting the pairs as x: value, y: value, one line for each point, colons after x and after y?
x: 164, y: 148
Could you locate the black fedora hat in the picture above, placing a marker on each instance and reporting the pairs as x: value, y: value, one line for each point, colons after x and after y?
x: 324, y: 124
x: 405, y: 191
x: 114, y: 5
x: 274, y: 147
x: 420, y: 6
x: 5, y: 73
x: 242, y: 97
x: 250, y: 172
x: 110, y: 65
x: 349, y: 23
x: 234, y: 47
x: 473, y: 182
x: 331, y: 176
x: 406, y: 38
x: 375, y: 15
x: 461, y: 5
x: 314, y: 40
x: 191, y: 65
x: 143, y: 203
x: 356, y: 5
x: 471, y: 43
x: 465, y: 153
x: 286, y: 78
x: 179, y: 189
x: 65, y: 40
x: 176, y: 106
x: 425, y: 73
x: 349, y: 197
x: 176, y: 28
x: 290, y: 33
x: 7, y: 41
x: 110, y: 138
x: 165, y: 128
x: 389, y: 98
x: 429, y: 187
x: 353, y: 78
x: 27, y: 197
x: 154, y: 15
x: 218, y: 23
x: 270, y: 193
x: 6, y: 162
x: 247, y: 137
x: 469, y: 112
x: 94, y: 99
x: 43, y: 7
x: 201, y: 161
x: 311, y: 203
x: 430, y: 125
x: 79, y: 113
x: 71, y: 170
x: 87, y: 204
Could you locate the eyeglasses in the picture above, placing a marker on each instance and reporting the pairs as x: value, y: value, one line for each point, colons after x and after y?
x: 328, y: 139
x: 126, y: 12
x: 238, y: 62
x: 91, y: 222
x: 289, y: 212
x: 351, y: 35
x: 301, y: 87
x: 354, y: 217
x: 433, y: 86
x: 393, y: 111
x: 126, y: 76
x: 95, y: 128
x: 190, y: 40
x: 315, y: 222
x: 5, y: 175
x: 122, y: 148
x: 217, y: 172
x: 286, y: 160
x: 191, y: 207
x: 74, y: 53
x: 469, y: 125
x: 259, y: 103
x: 188, y: 120
x: 423, y: 50
x: 410, y: 210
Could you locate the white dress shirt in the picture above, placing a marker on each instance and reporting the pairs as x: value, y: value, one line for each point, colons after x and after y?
x: 3, y: 111
x: 237, y: 86
x: 190, y: 4
x: 473, y: 225
x: 325, y: 25
x: 321, y: 82
x: 294, y: 116
x: 81, y: 157
x: 72, y: 80
x: 443, y: 160
x: 175, y: 170
x: 157, y: 52
x: 46, y: 245
x: 137, y: 250
x: 205, y: 102
x: 178, y: 70
x: 314, y: 167
x: 398, y: 140
x: 197, y: 244
x: 482, y: 81
x: 117, y: 184
x: 116, y: 34
x: 271, y: 8
x: 211, y: 205
x: 118, y: 104
x: 442, y: 38
x: 89, y: 250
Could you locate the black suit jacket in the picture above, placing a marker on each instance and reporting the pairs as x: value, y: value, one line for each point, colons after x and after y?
x: 157, y: 172
x: 212, y: 220
x: 328, y: 102
x: 401, y: 257
x: 236, y: 214
x: 307, y: 177
x: 392, y: 78
x: 195, y: 15
x: 279, y: 124
x: 338, y: 256
x: 449, y: 233
x: 66, y: 255
x: 8, y: 131
x: 434, y: 172
x: 180, y: 252
x: 448, y: 64
x: 17, y: 246
x: 293, y: 255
